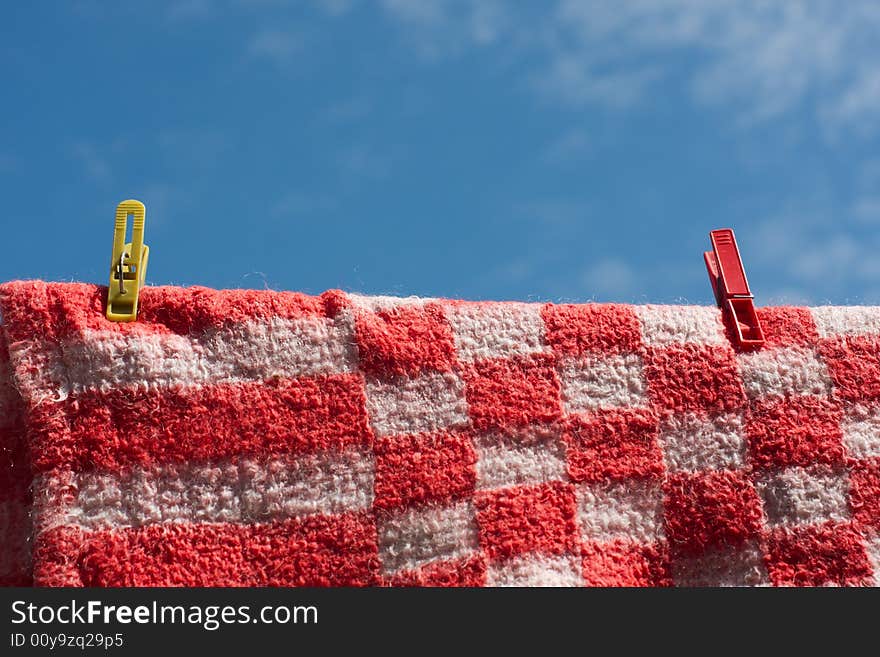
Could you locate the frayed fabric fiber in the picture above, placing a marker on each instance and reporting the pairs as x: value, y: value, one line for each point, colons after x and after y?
x: 259, y: 438
x: 15, y: 482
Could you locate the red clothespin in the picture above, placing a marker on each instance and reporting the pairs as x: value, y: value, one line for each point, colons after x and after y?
x: 731, y: 289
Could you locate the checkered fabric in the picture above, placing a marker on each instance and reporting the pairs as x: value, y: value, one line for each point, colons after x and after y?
x: 268, y: 438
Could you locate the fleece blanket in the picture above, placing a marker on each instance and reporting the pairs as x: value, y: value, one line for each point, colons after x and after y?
x: 253, y: 438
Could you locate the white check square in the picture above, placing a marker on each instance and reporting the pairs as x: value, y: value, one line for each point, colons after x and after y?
x: 602, y: 381
x: 406, y: 405
x: 496, y: 330
x: 418, y: 536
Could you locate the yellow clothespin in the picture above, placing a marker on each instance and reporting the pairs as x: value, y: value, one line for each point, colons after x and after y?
x: 128, y: 265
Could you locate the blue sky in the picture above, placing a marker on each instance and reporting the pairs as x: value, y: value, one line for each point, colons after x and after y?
x: 571, y: 150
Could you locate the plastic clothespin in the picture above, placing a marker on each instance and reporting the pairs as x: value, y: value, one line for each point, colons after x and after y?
x: 128, y: 264
x: 731, y: 288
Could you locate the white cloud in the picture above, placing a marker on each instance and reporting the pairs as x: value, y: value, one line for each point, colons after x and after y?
x: 552, y: 215
x: 830, y: 259
x: 516, y: 271
x: 94, y: 163
x: 276, y: 45
x: 568, y: 146
x: 198, y: 148
x: 767, y: 58
x: 366, y: 162
x: 348, y: 110
x: 334, y: 7
x: 444, y: 27
x: 867, y: 209
x: 812, y: 255
x: 163, y: 201
x: 182, y: 10
x: 430, y: 14
x: 610, y: 279
x: 300, y: 205
x: 764, y: 58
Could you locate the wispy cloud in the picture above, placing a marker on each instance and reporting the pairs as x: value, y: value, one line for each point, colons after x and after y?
x: 515, y: 271
x: 182, y: 10
x: 302, y: 205
x: 448, y: 27
x: 766, y: 59
x: 334, y: 7
x: 610, y: 279
x: 278, y: 46
x: 569, y: 79
x: 552, y: 214
x: 815, y: 256
x: 570, y: 145
x: 867, y: 209
x: 92, y: 160
x: 164, y: 202
x: 538, y: 257
x: 347, y: 110
x: 364, y: 161
x: 196, y: 148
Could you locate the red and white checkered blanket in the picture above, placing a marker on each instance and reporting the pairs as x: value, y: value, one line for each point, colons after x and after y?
x: 270, y: 438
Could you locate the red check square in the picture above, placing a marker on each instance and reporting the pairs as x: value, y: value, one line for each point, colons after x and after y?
x: 613, y: 444
x: 577, y: 330
x: 404, y: 340
x: 693, y: 377
x: 786, y: 326
x: 412, y: 469
x: 623, y: 563
x: 818, y: 555
x: 854, y: 365
x: 710, y: 509
x: 515, y: 392
x: 524, y: 519
x: 803, y: 430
